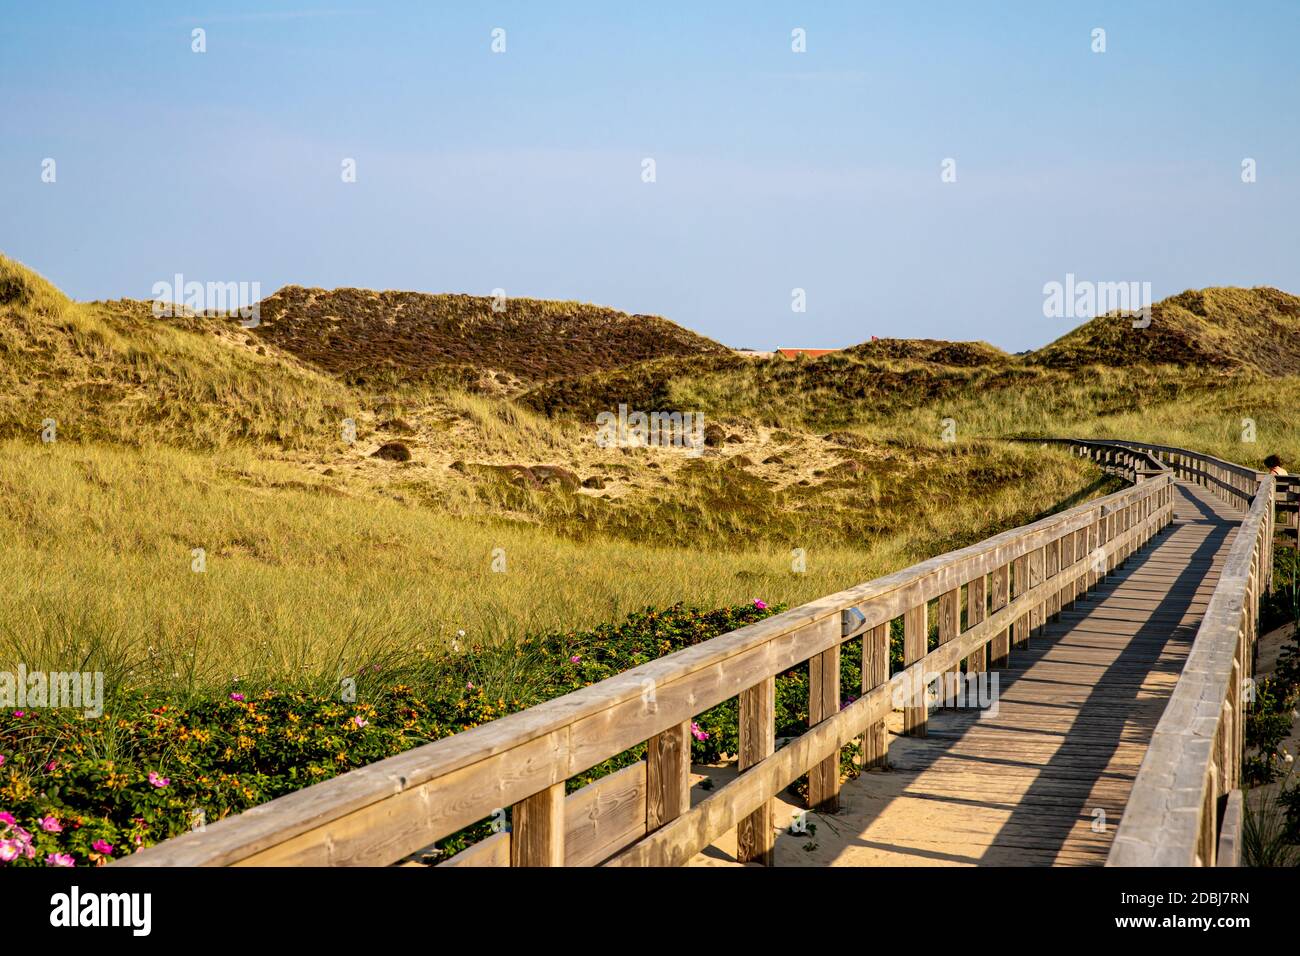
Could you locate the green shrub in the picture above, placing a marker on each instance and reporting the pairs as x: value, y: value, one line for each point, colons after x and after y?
x: 77, y: 790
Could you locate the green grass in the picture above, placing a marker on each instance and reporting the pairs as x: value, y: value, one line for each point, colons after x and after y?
x: 1267, y: 837
x: 906, y: 403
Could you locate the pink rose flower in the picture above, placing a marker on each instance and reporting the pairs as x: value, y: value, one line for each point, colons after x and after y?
x: 574, y: 659
x: 238, y: 698
x: 10, y: 850
x: 51, y: 825
x: 7, y: 818
x: 102, y: 846
x: 157, y: 780
x: 697, y: 733
x: 761, y: 605
x: 60, y: 859
x: 360, y: 721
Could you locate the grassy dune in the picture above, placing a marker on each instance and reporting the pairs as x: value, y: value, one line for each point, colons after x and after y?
x: 452, y: 583
x: 304, y: 584
x: 182, y: 433
x: 906, y: 402
x: 112, y: 372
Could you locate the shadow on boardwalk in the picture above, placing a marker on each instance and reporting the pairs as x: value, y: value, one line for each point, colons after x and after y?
x: 1045, y: 780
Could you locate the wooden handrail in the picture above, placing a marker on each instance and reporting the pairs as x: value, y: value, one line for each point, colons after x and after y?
x: 1012, y: 583
x: 1287, y: 502
x: 1184, y: 809
x: 1231, y: 481
x: 1193, y: 762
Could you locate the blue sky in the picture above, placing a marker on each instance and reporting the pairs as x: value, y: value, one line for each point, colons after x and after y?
x: 775, y: 170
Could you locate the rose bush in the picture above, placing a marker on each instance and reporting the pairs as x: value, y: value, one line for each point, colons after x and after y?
x: 83, y: 791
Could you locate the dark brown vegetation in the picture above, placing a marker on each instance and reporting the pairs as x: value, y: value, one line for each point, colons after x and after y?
x: 937, y: 351
x: 364, y: 336
x: 1254, y: 329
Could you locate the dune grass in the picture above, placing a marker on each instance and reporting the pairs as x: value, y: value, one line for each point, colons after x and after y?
x: 175, y: 434
x: 185, y: 433
x: 905, y: 402
x: 302, y: 583
x: 113, y: 372
x: 200, y: 526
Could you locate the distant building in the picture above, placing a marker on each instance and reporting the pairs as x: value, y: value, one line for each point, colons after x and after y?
x: 811, y: 353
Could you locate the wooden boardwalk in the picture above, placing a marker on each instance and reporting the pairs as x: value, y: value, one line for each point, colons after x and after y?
x: 1046, y: 779
x: 1117, y: 736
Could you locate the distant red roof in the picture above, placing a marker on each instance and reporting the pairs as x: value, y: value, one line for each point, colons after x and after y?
x: 811, y: 353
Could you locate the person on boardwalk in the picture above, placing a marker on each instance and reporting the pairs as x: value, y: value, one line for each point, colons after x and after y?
x: 1274, y: 465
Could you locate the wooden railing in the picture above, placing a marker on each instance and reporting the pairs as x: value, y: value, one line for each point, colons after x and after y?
x: 1123, y: 459
x: 1230, y: 481
x: 987, y: 599
x: 1287, y: 502
x: 1185, y: 808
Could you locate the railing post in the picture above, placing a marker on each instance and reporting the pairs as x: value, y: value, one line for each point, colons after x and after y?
x: 824, y: 703
x: 1091, y: 541
x: 976, y: 596
x: 1104, y: 527
x: 1000, y: 585
x: 1209, y: 807
x: 1108, y: 534
x: 1226, y: 745
x: 949, y: 626
x: 1052, y: 567
x: 668, y: 775
x: 875, y: 671
x: 1067, y: 591
x: 755, y: 834
x: 915, y: 633
x: 1117, y: 531
x: 1123, y: 521
x: 1082, y: 552
x: 1233, y: 703
x: 1020, y: 584
x: 1128, y: 521
x: 1037, y: 566
x: 537, y: 829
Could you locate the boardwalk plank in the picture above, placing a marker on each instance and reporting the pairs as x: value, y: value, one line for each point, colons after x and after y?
x: 1045, y: 780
